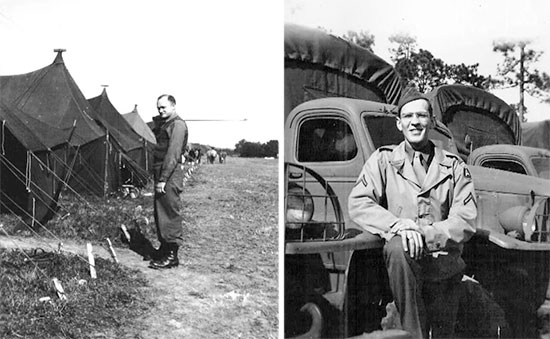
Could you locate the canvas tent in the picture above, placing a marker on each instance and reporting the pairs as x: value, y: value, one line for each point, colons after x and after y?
x: 132, y: 150
x: 320, y: 65
x: 475, y: 117
x: 30, y: 173
x: 139, y: 126
x: 50, y: 95
x: 536, y: 134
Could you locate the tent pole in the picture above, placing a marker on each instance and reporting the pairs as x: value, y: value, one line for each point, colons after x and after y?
x: 146, y: 155
x: 106, y: 164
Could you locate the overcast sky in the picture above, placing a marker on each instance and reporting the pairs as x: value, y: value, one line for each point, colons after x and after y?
x: 220, y: 59
x: 454, y: 31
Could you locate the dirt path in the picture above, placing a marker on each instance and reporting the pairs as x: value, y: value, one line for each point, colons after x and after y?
x: 226, y: 286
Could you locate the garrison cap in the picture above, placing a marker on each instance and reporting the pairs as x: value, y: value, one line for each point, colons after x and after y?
x: 409, y: 94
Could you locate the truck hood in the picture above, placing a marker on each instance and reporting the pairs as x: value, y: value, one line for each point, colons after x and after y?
x: 493, y: 180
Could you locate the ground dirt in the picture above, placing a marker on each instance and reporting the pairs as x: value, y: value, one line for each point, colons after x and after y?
x: 227, y: 283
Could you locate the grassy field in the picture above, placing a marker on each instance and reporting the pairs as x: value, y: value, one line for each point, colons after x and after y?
x: 226, y: 286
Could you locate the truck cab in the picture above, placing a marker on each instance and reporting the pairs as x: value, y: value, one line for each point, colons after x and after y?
x: 513, y: 158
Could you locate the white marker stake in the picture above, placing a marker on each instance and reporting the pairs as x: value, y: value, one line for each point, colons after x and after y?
x: 126, y: 234
x: 59, y: 289
x: 92, y: 261
x: 112, y: 250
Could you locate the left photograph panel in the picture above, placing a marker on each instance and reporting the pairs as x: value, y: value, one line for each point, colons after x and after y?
x: 139, y: 171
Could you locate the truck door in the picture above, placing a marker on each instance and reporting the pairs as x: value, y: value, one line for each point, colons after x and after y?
x: 329, y: 145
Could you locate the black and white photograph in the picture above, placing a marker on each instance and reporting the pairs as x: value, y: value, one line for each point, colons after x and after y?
x: 416, y: 169
x: 139, y: 169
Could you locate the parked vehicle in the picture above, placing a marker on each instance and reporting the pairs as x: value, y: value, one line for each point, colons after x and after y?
x: 518, y: 159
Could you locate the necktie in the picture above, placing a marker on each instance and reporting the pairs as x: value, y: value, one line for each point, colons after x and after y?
x: 418, y: 167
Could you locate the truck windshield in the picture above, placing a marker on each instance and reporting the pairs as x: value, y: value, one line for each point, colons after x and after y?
x: 542, y: 165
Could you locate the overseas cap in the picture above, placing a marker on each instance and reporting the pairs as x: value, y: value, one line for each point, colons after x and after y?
x: 409, y: 94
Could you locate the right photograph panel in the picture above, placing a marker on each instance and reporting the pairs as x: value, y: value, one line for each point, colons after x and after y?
x: 416, y: 188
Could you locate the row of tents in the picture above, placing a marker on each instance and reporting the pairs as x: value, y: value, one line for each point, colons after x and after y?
x: 320, y: 65
x: 53, y: 138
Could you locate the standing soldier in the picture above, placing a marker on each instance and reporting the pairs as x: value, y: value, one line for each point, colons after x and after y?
x: 171, y: 134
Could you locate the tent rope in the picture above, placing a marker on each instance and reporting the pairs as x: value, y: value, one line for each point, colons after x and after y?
x: 41, y: 238
x: 93, y: 178
x: 19, y: 176
x: 66, y: 184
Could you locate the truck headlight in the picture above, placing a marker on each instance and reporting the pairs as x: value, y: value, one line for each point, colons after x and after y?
x: 515, y: 219
x: 299, y: 208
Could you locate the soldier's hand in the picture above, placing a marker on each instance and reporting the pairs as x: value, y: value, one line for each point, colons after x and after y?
x: 404, y: 224
x: 413, y: 243
x: 159, y: 187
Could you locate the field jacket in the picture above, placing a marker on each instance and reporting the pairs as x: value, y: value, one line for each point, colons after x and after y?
x: 444, y: 205
x: 171, y: 135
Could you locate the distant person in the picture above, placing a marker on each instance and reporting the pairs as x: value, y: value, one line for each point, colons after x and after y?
x: 171, y: 134
x: 421, y: 200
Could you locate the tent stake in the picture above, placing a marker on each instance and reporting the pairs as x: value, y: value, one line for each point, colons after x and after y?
x: 59, y: 289
x: 112, y: 250
x: 91, y: 259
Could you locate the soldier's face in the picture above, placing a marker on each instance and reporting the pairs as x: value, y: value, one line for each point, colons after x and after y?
x: 414, y: 122
x: 165, y: 108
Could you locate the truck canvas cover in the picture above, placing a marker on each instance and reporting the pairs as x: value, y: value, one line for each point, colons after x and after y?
x: 319, y: 65
x: 475, y: 117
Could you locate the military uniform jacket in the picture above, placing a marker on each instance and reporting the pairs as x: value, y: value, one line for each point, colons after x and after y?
x: 171, y: 135
x: 444, y: 205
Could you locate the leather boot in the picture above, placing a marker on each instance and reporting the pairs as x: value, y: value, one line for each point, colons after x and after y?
x: 157, y: 254
x: 169, y: 260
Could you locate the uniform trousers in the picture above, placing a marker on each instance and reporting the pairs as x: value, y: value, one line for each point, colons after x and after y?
x: 167, y: 208
x: 423, y: 304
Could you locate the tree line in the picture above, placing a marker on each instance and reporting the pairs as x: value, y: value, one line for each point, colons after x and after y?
x: 425, y: 71
x: 249, y: 149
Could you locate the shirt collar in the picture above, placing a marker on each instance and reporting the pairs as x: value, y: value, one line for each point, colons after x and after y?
x: 426, y: 153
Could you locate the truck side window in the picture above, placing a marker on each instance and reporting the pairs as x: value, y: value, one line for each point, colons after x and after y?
x: 505, y: 165
x: 326, y: 139
x: 383, y: 130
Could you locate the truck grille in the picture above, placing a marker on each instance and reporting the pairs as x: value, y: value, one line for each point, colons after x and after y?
x: 541, y: 226
x: 312, y: 210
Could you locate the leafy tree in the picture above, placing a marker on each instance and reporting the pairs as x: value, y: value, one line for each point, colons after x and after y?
x: 519, y: 71
x: 425, y: 71
x: 467, y: 74
x: 422, y: 70
x: 406, y: 45
x: 362, y: 38
x: 271, y: 149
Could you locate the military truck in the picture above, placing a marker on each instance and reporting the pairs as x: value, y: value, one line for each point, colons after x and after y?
x: 525, y: 160
x: 335, y: 278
